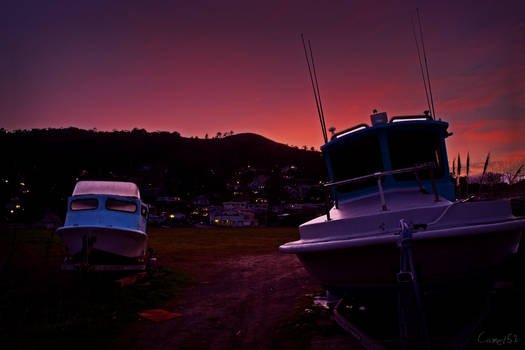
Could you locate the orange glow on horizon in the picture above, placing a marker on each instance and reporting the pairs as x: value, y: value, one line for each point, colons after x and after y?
x: 196, y: 69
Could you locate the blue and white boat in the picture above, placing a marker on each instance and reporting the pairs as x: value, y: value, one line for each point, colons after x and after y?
x: 391, y: 176
x: 106, y: 217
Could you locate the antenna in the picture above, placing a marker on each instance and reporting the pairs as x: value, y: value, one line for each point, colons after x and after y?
x: 426, y: 62
x: 420, y: 64
x: 317, y: 98
x: 317, y: 87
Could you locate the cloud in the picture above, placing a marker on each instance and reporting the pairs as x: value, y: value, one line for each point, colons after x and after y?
x: 463, y: 103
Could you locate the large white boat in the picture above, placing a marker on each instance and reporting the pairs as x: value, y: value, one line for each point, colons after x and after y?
x: 391, y: 187
x: 105, y: 219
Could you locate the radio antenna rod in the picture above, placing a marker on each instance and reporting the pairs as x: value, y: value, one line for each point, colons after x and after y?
x: 420, y: 64
x: 426, y: 63
x: 318, y: 92
x: 321, y: 116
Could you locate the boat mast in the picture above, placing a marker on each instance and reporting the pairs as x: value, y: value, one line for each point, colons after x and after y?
x: 315, y: 87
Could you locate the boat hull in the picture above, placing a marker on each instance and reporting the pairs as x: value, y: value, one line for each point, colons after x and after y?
x: 356, y: 267
x: 122, y: 242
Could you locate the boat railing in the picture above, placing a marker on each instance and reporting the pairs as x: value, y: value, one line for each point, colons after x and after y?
x: 411, y: 117
x: 393, y: 119
x: 379, y: 176
x: 349, y: 130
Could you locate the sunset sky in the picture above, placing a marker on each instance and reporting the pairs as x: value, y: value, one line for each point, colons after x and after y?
x: 200, y: 67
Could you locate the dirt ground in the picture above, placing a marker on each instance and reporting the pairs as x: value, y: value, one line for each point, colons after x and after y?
x: 235, y: 304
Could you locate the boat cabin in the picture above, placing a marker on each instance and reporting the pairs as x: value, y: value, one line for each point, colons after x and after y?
x: 405, y: 152
x: 107, y: 204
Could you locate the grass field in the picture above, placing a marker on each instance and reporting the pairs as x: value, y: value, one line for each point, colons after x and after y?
x: 40, y: 306
x: 206, y: 245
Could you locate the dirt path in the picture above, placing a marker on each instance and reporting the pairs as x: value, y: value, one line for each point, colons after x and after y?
x: 236, y: 304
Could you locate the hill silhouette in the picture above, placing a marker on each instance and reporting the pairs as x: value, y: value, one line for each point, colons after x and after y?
x: 48, y: 162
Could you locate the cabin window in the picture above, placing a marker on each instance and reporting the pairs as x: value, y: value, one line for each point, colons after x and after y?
x: 84, y: 204
x: 121, y: 205
x: 356, y: 158
x: 412, y: 147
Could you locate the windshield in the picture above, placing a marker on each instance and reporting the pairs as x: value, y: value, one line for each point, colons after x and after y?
x: 120, y: 205
x: 412, y: 147
x: 84, y: 204
x: 356, y: 158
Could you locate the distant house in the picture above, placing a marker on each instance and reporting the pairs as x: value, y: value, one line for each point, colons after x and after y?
x: 13, y: 205
x: 234, y: 214
x: 260, y: 205
x: 301, y: 190
x: 241, y: 218
x: 201, y: 200
x: 293, y: 206
x: 229, y: 206
x: 259, y: 183
x: 164, y: 218
x: 169, y: 199
x: 289, y: 172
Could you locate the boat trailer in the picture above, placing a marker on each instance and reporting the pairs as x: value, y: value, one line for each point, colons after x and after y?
x: 146, y: 263
x: 412, y: 323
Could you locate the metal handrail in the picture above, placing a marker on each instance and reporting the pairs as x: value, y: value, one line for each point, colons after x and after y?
x: 353, y: 128
x: 408, y: 117
x: 380, y: 175
x: 429, y: 165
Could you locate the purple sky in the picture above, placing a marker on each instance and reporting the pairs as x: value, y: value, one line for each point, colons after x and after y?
x: 205, y: 67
